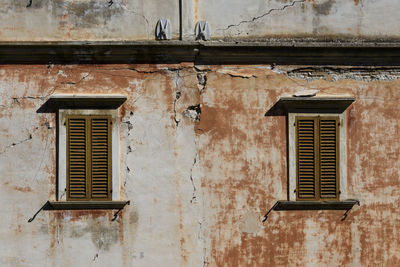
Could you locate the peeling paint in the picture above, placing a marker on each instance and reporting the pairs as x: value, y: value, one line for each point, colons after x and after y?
x: 201, y: 164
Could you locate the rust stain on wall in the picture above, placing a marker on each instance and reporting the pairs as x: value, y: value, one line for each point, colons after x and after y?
x: 237, y: 165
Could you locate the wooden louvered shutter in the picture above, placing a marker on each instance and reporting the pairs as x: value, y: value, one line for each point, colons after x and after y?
x: 89, y: 157
x: 317, y: 155
x: 101, y: 158
x: 306, y: 129
x: 328, y: 158
x: 77, y: 158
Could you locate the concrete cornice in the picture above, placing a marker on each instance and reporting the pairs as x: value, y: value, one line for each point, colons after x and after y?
x: 268, y: 52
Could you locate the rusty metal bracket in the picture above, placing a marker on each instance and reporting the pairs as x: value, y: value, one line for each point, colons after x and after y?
x: 269, y: 211
x: 83, y: 205
x: 118, y: 211
x: 348, y: 210
x: 44, y: 207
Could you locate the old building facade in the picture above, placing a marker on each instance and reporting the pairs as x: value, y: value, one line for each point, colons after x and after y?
x: 118, y: 149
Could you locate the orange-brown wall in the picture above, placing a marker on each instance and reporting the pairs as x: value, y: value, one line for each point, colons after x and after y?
x: 199, y: 188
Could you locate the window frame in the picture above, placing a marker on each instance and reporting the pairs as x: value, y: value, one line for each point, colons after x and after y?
x: 292, y: 151
x: 62, y: 151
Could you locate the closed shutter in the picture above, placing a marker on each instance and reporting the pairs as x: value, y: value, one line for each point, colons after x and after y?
x: 77, y: 158
x: 101, y: 157
x: 306, y: 158
x: 317, y: 155
x: 89, y: 157
x: 328, y: 157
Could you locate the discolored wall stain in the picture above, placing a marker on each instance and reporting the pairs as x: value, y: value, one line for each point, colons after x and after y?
x: 323, y: 8
x: 82, y: 13
x: 91, y: 13
x: 199, y: 188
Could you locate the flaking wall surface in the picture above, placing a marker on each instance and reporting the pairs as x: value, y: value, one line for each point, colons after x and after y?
x: 135, y: 20
x: 201, y: 164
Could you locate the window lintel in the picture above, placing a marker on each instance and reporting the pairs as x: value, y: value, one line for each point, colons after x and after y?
x: 90, y: 101
x: 334, y: 104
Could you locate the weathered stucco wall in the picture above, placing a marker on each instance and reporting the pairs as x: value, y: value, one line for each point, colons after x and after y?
x: 199, y: 182
x: 332, y: 19
x: 38, y: 20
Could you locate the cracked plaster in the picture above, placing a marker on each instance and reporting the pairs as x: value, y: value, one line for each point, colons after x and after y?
x: 198, y: 187
x: 69, y: 20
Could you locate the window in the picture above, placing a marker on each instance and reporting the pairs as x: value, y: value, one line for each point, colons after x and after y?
x: 88, y: 150
x: 316, y: 152
x: 317, y: 158
x: 89, y: 161
x: 88, y: 155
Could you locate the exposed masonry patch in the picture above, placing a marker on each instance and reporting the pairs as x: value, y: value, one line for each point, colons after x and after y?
x: 178, y: 80
x: 177, y: 96
x: 193, y: 112
x: 263, y: 15
x: 235, y: 74
x: 335, y: 74
x: 202, y: 81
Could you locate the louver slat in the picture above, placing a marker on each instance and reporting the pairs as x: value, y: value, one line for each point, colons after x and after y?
x: 306, y: 186
x: 76, y: 157
x: 100, y: 154
x: 328, y: 154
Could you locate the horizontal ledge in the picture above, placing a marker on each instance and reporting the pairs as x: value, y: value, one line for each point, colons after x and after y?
x: 365, y: 53
x: 87, y: 100
x: 272, y: 42
x: 85, y: 205
x: 339, y: 103
x: 315, y: 205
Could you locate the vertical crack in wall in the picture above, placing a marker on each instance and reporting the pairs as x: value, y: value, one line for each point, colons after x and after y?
x: 203, y: 241
x: 42, y: 157
x: 201, y: 80
x: 177, y: 96
x: 178, y: 79
x: 129, y: 148
x: 194, y: 194
x: 95, y: 256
